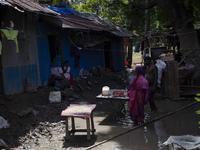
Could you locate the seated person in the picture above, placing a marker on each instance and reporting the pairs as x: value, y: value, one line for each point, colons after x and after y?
x: 67, y: 72
x: 56, y: 69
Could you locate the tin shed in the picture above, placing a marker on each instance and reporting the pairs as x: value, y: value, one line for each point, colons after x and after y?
x: 19, y: 57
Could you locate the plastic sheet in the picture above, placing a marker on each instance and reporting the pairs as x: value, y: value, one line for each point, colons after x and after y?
x: 4, y: 123
x: 55, y: 97
x: 185, y: 73
x: 188, y: 142
x: 160, y: 65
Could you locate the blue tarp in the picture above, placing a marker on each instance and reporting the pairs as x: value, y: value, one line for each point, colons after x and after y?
x: 62, y: 9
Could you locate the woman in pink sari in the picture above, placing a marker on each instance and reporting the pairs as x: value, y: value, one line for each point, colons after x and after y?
x: 138, y: 95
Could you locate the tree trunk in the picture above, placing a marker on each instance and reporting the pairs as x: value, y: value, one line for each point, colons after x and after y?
x: 188, y: 41
x: 181, y: 19
x: 147, y: 24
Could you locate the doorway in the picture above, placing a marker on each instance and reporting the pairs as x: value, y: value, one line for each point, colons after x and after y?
x: 108, y: 55
x: 54, y: 46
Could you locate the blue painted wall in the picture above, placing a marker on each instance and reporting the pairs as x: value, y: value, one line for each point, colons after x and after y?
x: 89, y: 58
x: 117, y: 53
x: 92, y: 57
x: 24, y: 64
x: 43, y: 51
x: 14, y: 78
x: 66, y: 47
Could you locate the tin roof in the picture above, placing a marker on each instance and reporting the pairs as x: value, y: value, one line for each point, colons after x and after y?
x: 27, y: 5
x: 89, y: 21
x: 84, y: 21
x: 97, y: 23
x: 76, y: 22
x: 116, y: 30
x: 3, y: 2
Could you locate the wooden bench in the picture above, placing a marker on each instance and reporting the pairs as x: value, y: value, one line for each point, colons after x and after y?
x: 81, y: 111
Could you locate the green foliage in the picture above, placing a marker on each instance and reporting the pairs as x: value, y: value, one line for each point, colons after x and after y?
x: 160, y: 17
x: 94, y: 6
x: 119, y: 12
x: 198, y: 112
x: 198, y: 94
x: 51, y: 2
x: 127, y: 15
x: 198, y: 99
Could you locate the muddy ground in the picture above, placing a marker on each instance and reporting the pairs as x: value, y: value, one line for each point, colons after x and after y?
x: 37, y: 124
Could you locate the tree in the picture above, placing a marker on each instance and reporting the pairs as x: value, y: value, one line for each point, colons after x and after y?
x: 181, y: 15
x: 53, y: 2
x: 181, y: 18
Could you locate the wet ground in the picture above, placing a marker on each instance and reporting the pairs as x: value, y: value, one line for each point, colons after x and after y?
x: 45, y: 129
x: 152, y: 134
x: 173, y: 118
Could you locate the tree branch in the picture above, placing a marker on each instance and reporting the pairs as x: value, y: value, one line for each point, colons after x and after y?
x: 134, y: 5
x: 143, y: 6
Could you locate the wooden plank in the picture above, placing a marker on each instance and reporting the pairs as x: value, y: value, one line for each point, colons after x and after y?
x: 189, y: 86
x: 171, y: 80
x: 75, y: 110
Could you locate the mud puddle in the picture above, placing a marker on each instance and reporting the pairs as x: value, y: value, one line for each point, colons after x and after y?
x: 152, y: 135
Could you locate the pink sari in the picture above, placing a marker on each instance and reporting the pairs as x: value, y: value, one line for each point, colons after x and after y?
x: 138, y: 96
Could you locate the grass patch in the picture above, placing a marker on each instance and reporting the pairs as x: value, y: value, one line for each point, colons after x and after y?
x: 137, y: 54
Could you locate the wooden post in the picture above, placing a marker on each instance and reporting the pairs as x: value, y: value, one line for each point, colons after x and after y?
x: 130, y: 52
x: 171, y: 80
x: 66, y: 128
x: 92, y: 123
x: 88, y: 128
x: 73, y: 125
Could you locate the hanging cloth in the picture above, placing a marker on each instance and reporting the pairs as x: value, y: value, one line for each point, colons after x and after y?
x: 137, y: 47
x: 76, y: 53
x: 57, y: 61
x: 11, y: 35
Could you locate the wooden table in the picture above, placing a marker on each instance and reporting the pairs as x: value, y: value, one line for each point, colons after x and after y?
x: 83, y: 111
x: 116, y: 102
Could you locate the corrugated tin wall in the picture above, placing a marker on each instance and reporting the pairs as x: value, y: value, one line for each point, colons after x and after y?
x: 43, y: 51
x: 92, y: 57
x: 66, y: 50
x: 118, y: 53
x: 18, y: 66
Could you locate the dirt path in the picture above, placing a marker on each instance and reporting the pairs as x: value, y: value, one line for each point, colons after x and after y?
x: 37, y: 124
x: 137, y: 59
x: 43, y: 128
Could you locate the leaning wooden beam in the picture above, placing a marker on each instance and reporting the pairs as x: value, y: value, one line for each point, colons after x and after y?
x: 189, y: 86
